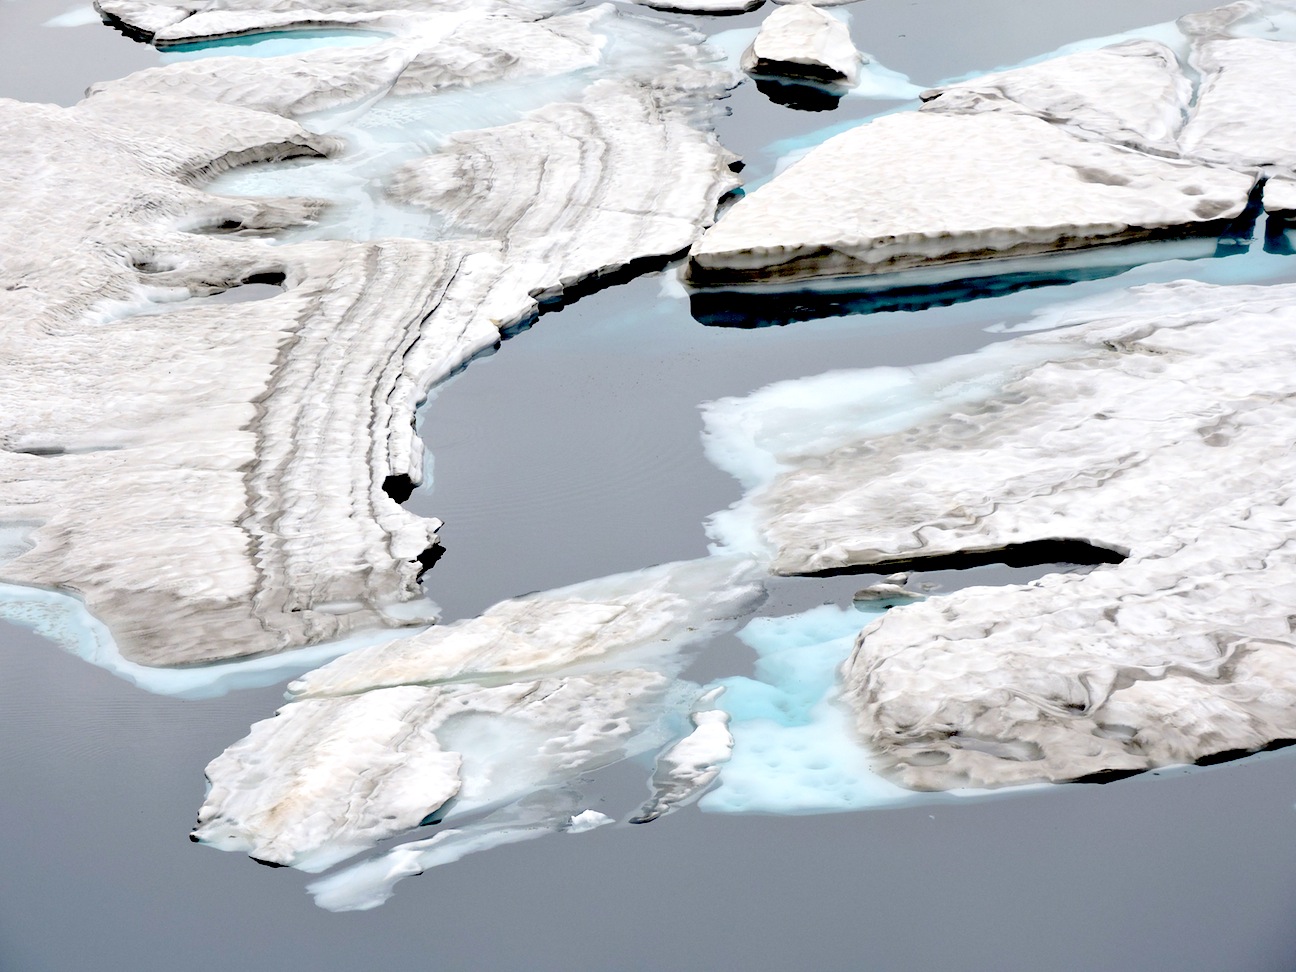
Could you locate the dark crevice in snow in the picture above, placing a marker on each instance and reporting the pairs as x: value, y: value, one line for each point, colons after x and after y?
x: 1032, y: 553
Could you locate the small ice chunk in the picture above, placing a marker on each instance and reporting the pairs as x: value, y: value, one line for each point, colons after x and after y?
x: 804, y: 43
x: 587, y: 820
x: 1280, y: 195
x: 690, y: 766
x: 887, y: 590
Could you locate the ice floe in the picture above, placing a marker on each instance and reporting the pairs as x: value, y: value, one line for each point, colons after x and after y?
x: 599, y: 661
x: 654, y: 611
x: 327, y: 778
x: 1170, y: 149
x: 684, y: 771
x: 1157, y: 429
x: 228, y: 488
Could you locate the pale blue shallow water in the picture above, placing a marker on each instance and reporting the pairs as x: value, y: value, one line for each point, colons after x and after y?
x: 572, y: 453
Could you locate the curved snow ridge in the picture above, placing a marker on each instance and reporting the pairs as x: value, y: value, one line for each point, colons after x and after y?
x: 222, y: 446
x: 603, y: 194
x: 227, y: 495
x: 173, y: 502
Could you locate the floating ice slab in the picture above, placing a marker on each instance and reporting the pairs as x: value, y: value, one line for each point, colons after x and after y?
x: 899, y: 193
x: 919, y: 188
x: 327, y: 778
x: 337, y: 777
x: 684, y: 771
x: 804, y: 43
x: 598, y: 659
x: 1158, y: 427
x: 1280, y: 195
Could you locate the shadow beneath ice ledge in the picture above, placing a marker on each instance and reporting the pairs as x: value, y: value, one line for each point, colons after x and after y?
x: 1213, y: 759
x: 1070, y: 552
x: 770, y: 302
x: 766, y: 308
x: 800, y: 95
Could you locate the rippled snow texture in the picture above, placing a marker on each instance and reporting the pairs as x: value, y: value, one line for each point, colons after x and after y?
x: 222, y: 492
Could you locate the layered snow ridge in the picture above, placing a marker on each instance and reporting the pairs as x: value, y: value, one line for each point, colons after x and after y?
x: 226, y: 489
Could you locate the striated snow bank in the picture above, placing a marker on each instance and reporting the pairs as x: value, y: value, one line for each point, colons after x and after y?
x: 224, y: 490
